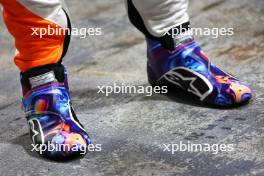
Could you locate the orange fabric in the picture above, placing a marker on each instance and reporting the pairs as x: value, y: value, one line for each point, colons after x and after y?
x: 33, y: 51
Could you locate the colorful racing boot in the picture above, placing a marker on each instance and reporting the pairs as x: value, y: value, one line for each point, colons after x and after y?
x: 189, y: 69
x: 54, y: 129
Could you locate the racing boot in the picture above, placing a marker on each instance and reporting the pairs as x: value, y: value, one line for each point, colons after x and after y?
x: 54, y: 129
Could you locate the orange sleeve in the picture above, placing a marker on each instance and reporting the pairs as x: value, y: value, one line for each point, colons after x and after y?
x: 33, y: 51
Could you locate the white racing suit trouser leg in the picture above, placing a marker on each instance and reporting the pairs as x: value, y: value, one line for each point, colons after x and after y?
x: 159, y: 16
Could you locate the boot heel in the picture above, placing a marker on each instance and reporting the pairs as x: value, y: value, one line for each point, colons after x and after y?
x: 151, y: 76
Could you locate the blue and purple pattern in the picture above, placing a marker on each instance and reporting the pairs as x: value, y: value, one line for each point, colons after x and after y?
x: 52, y: 120
x: 226, y: 90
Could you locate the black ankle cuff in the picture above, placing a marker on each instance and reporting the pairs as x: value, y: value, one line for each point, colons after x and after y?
x: 58, y: 70
x: 169, y: 40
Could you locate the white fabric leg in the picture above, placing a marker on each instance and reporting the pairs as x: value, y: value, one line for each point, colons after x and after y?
x: 160, y: 16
